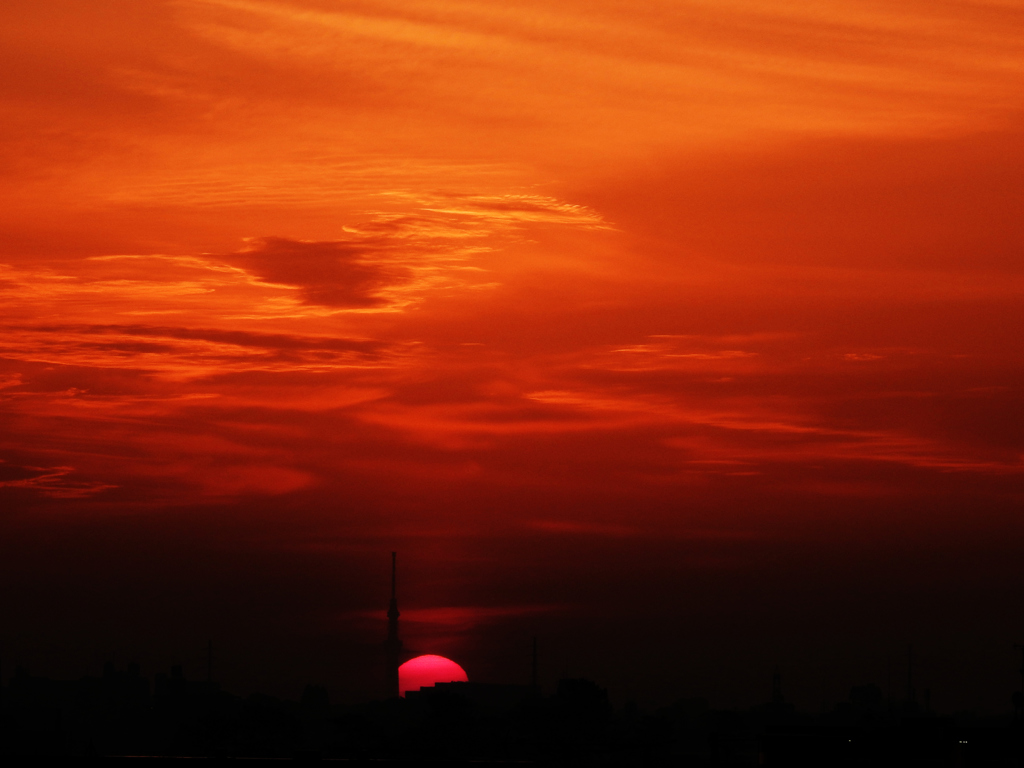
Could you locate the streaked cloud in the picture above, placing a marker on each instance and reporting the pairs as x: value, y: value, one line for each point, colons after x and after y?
x: 54, y: 482
x: 794, y: 68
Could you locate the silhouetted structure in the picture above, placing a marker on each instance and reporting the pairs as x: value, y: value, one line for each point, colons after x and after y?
x: 777, y: 709
x: 118, y: 713
x: 393, y: 646
x: 533, y: 669
x: 490, y: 698
x: 1021, y: 667
x: 911, y: 693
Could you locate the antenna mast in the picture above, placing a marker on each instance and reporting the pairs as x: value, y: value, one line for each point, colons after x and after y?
x: 533, y: 670
x: 393, y: 646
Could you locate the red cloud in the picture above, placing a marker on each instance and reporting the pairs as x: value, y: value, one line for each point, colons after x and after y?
x: 350, y: 274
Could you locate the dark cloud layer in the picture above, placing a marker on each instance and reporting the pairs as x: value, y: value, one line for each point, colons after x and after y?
x: 344, y: 274
x: 222, y: 336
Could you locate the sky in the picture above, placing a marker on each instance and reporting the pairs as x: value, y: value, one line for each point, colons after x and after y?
x: 684, y: 336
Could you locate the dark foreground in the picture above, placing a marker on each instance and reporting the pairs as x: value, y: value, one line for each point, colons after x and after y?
x: 116, y: 719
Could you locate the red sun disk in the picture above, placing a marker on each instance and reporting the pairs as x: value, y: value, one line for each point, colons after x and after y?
x: 428, y: 670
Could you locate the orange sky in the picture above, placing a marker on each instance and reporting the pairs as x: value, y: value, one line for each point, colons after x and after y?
x: 520, y: 289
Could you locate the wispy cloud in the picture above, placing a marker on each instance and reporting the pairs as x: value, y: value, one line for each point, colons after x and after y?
x: 53, y: 482
x: 794, y: 68
x: 181, y: 352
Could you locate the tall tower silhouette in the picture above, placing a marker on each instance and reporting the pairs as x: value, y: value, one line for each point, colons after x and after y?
x: 533, y: 669
x: 393, y: 646
x: 911, y: 693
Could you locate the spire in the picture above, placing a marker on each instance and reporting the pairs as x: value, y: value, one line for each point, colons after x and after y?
x: 911, y: 694
x: 777, y: 687
x: 393, y: 646
x: 533, y: 669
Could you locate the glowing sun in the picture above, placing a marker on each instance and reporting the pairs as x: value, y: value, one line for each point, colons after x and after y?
x: 427, y: 670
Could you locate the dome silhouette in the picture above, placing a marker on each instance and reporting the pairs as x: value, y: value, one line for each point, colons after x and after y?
x: 428, y: 670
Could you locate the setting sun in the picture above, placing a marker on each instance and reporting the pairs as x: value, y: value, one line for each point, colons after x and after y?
x: 424, y: 671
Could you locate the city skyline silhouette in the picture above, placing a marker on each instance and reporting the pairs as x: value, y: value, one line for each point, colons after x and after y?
x: 120, y: 712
